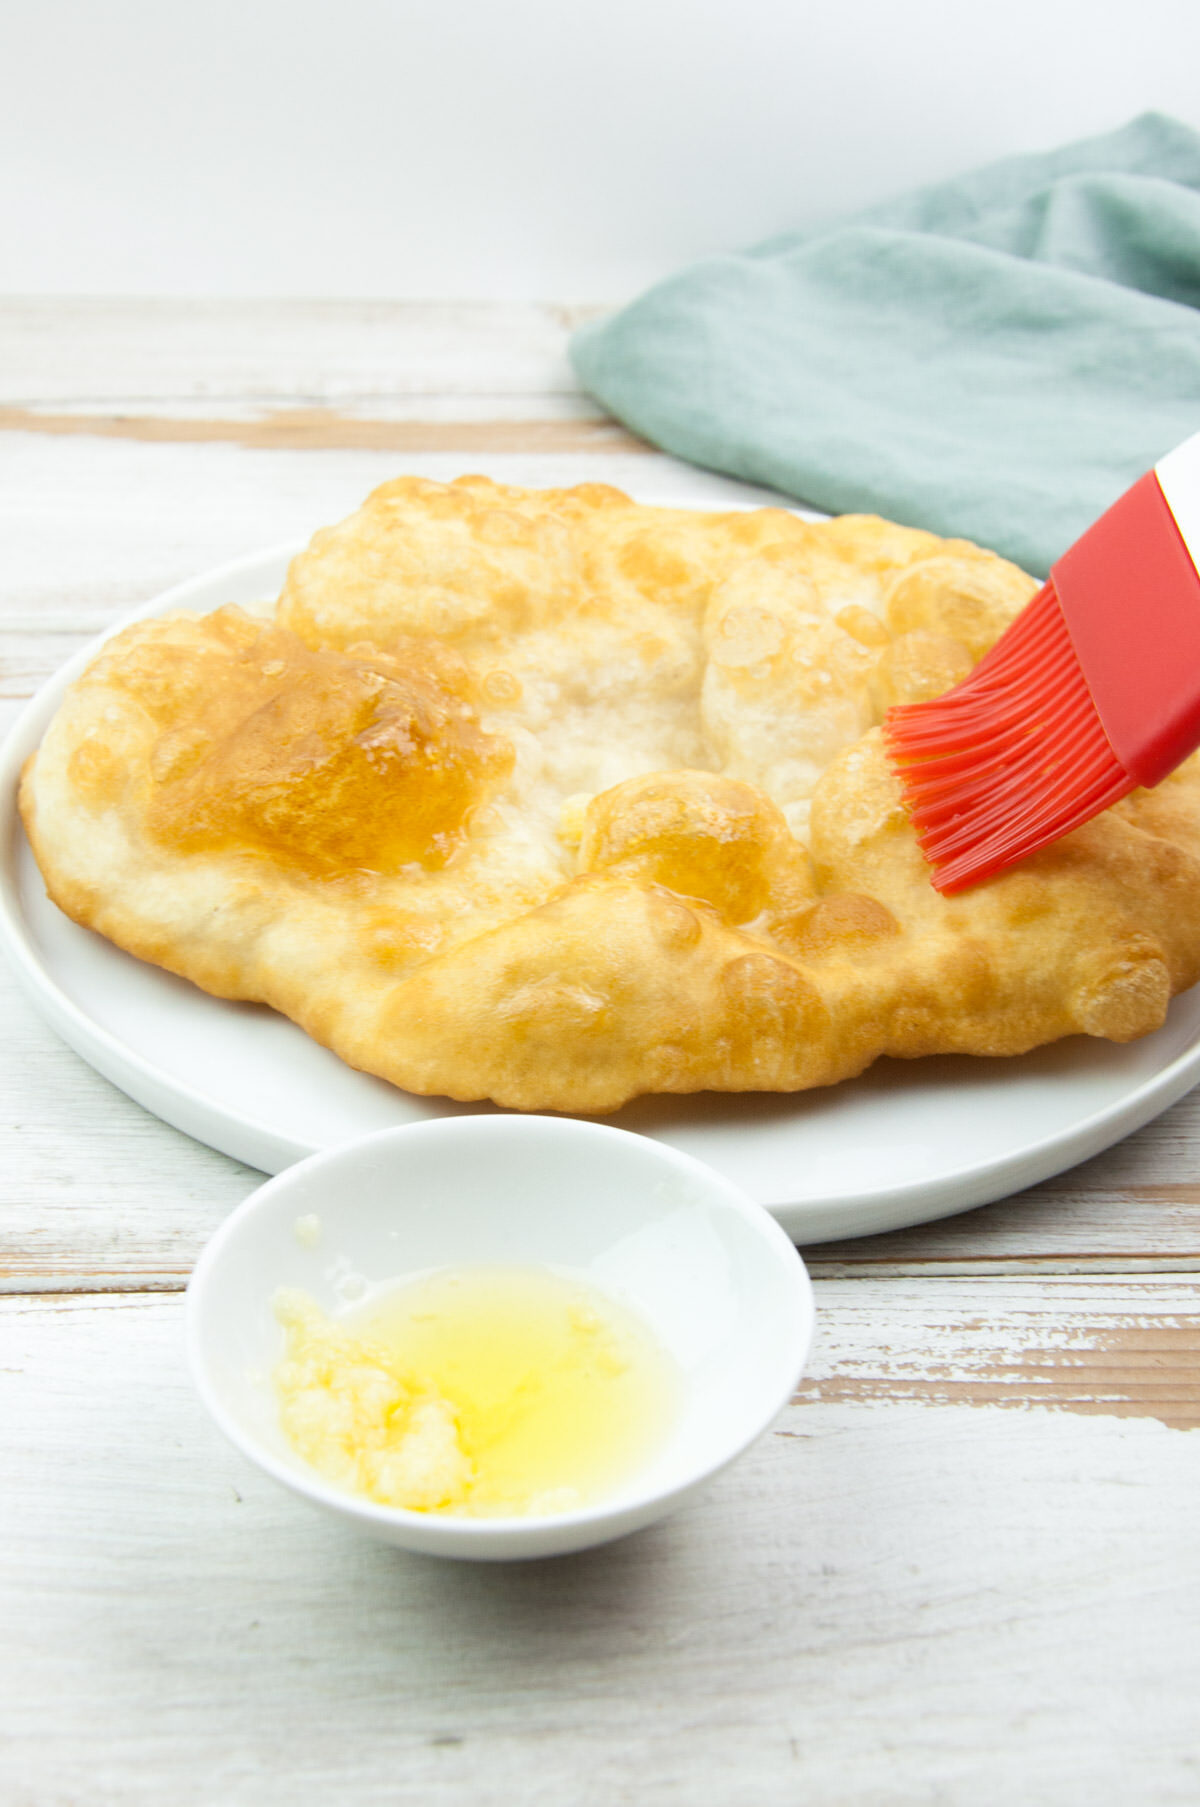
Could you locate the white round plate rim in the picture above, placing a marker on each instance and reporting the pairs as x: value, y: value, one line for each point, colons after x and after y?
x: 263, y: 1142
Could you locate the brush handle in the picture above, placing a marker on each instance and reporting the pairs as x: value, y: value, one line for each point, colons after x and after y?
x: 1130, y: 595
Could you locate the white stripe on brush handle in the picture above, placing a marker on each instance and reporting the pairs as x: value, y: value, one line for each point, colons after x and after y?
x: 1179, y: 479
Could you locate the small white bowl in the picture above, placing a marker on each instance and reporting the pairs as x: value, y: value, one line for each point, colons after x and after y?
x: 707, y: 1268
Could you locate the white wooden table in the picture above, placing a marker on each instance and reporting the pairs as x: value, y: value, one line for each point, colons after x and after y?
x: 963, y: 1568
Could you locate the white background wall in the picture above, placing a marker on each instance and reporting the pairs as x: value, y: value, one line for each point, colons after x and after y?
x: 524, y: 149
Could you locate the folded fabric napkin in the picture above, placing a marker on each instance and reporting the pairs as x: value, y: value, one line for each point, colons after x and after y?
x: 996, y: 357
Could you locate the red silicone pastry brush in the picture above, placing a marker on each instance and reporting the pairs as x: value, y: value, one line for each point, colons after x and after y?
x: 1093, y: 690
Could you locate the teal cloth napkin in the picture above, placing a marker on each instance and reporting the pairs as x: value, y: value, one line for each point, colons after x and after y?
x: 996, y: 357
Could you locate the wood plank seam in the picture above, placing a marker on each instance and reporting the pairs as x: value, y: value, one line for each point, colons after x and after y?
x: 323, y: 429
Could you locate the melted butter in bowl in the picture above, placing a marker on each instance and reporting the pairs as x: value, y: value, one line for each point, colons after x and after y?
x: 487, y: 1392
x: 496, y: 1337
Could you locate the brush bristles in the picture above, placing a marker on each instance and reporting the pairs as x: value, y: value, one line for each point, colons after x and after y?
x: 1011, y: 758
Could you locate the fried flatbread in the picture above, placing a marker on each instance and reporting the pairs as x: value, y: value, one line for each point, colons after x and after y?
x: 553, y: 799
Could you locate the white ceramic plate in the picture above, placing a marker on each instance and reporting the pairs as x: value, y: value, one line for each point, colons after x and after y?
x: 906, y: 1143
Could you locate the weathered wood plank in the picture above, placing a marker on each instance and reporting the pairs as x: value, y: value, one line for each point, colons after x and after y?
x: 324, y: 429
x: 1123, y: 1348
x: 97, y: 1193
x: 888, y: 1600
x: 80, y: 350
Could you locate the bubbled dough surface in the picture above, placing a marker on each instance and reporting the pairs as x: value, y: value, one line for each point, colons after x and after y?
x: 553, y: 799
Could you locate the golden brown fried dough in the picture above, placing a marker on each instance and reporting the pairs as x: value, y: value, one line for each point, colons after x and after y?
x: 553, y: 799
